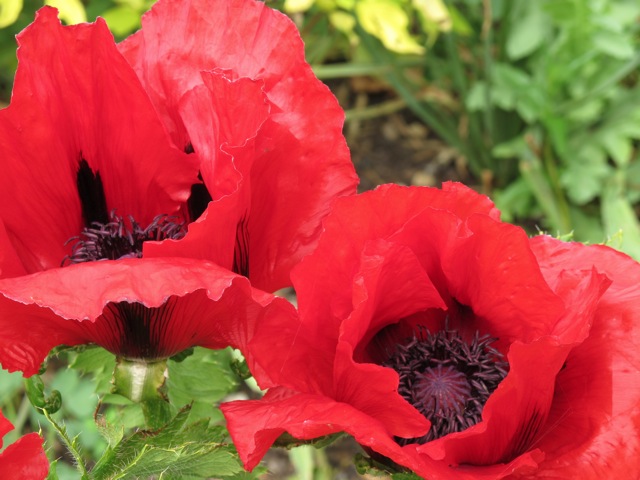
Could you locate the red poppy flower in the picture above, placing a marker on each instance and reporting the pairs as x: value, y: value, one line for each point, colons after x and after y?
x: 230, y: 81
x: 451, y: 344
x: 24, y: 459
x: 89, y: 175
x: 136, y: 308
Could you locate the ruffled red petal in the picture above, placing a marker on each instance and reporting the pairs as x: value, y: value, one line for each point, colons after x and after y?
x: 593, y: 430
x: 494, y: 273
x: 201, y: 304
x: 255, y: 425
x: 231, y: 113
x: 25, y: 459
x: 75, y: 97
x: 324, y: 279
x: 300, y: 160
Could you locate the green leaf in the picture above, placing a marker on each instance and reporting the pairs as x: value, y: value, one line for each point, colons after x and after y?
x: 110, y: 431
x: 618, y: 145
x: 618, y: 216
x: 98, y: 363
x: 122, y: 19
x: 585, y: 174
x: 388, y: 21
x: 9, y: 12
x: 528, y: 28
x: 533, y: 173
x: 370, y: 467
x: 179, y: 450
x: 615, y: 44
x: 206, y: 376
x: 515, y: 201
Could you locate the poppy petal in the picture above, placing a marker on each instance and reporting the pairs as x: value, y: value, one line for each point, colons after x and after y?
x: 76, y: 99
x: 505, y: 295
x: 254, y: 426
x: 137, y: 308
x: 301, y: 160
x: 593, y: 430
x: 24, y: 459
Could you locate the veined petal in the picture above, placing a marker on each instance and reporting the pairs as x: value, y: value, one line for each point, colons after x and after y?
x: 137, y: 308
x: 324, y: 279
x: 593, y: 429
x: 227, y: 114
x: 76, y: 100
x: 494, y: 272
x: 255, y: 425
x: 300, y: 158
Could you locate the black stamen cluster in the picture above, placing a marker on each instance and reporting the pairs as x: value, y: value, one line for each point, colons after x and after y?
x: 447, y: 379
x: 120, y: 238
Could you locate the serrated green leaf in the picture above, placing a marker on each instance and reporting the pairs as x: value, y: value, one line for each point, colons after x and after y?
x: 98, y: 363
x: 178, y: 450
x: 110, y: 431
x: 205, y: 376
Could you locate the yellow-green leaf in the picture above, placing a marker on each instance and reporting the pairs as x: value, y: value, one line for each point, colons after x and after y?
x: 71, y: 11
x: 388, y: 21
x: 434, y: 12
x: 296, y: 6
x: 9, y: 11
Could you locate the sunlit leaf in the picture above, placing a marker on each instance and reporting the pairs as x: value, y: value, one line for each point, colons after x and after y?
x: 9, y: 11
x: 295, y: 6
x: 122, y: 19
x: 71, y: 11
x: 389, y: 22
x: 614, y: 44
x: 434, y: 12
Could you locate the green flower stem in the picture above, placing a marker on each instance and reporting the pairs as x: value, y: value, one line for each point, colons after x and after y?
x: 144, y: 383
x: 346, y: 70
x: 71, y: 445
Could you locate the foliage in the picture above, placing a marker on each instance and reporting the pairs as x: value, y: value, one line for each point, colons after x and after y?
x: 540, y: 99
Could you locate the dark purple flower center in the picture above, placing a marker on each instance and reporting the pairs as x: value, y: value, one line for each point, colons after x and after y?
x: 107, y: 235
x: 447, y: 379
x: 121, y: 238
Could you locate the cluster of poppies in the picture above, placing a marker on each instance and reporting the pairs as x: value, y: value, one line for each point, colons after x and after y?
x: 155, y: 193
